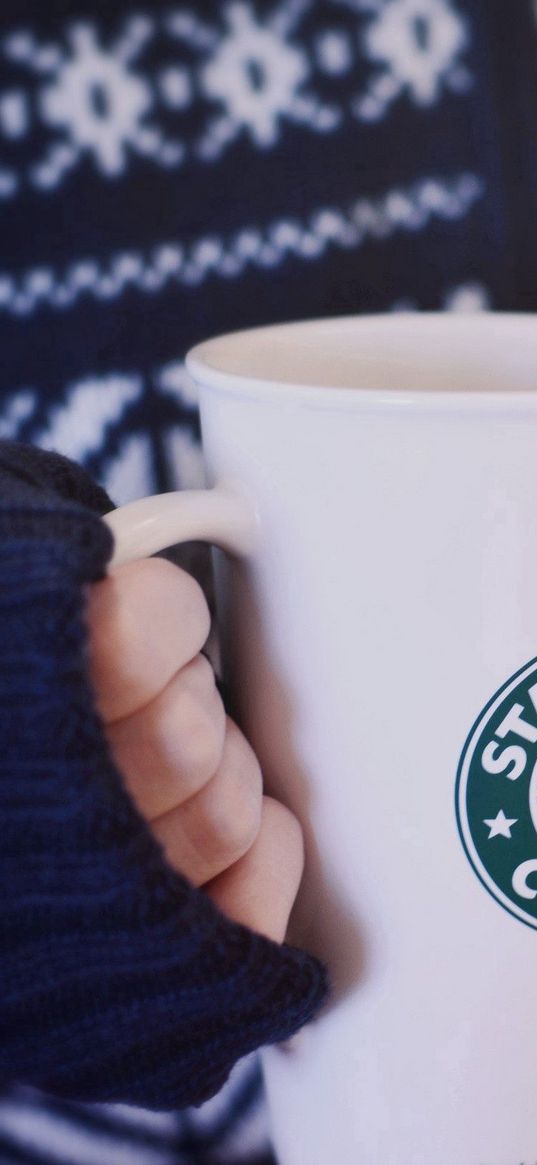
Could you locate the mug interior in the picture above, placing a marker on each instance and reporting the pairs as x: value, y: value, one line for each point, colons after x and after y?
x: 424, y: 353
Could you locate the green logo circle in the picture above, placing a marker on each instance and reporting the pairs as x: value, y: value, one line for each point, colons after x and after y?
x: 496, y: 796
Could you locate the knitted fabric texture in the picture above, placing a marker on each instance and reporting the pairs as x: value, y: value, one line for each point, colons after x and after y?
x: 118, y: 981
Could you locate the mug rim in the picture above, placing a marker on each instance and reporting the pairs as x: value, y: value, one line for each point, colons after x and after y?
x: 206, y: 363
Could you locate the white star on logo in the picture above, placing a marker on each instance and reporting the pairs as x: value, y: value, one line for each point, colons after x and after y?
x: 500, y: 826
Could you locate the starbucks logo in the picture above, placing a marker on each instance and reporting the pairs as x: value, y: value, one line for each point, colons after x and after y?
x: 497, y: 796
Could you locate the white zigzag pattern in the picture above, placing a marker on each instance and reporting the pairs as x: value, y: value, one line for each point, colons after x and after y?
x: 408, y: 209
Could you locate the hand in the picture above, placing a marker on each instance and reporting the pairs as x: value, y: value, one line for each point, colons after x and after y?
x: 187, y: 766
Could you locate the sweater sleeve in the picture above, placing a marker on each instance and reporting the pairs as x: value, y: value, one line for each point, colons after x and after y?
x: 119, y: 981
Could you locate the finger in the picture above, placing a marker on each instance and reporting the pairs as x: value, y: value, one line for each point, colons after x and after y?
x: 146, y: 620
x: 260, y: 889
x: 215, y: 827
x: 170, y: 749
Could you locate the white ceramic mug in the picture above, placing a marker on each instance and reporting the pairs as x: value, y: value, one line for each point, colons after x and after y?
x: 375, y: 480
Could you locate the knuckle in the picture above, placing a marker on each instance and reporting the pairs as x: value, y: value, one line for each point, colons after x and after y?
x: 194, y: 607
x: 173, y: 588
x: 234, y: 832
x: 285, y: 823
x: 201, y: 727
x: 243, y: 760
x: 199, y: 675
x: 236, y: 805
x: 146, y: 574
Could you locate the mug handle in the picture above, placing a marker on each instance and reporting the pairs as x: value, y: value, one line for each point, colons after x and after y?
x: 223, y: 516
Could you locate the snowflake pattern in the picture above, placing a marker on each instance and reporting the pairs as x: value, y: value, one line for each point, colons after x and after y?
x: 418, y: 45
x: 257, y: 74
x: 247, y: 75
x: 98, y: 100
x: 95, y: 100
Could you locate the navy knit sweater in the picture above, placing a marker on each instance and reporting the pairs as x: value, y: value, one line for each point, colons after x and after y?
x: 119, y: 981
